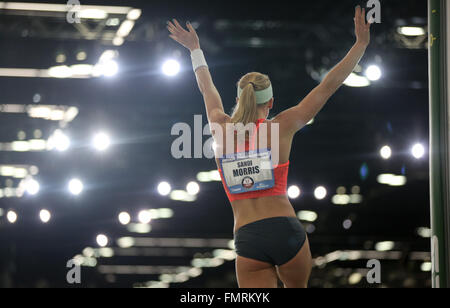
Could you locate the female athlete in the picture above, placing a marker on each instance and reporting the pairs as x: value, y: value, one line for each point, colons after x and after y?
x: 269, y: 239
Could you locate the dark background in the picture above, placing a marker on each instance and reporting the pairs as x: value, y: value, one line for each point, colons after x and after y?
x: 139, y: 106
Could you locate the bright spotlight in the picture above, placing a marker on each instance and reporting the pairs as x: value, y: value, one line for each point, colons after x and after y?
x: 75, y: 187
x: 386, y: 152
x: 373, y: 73
x: 11, y: 216
x: 101, y: 141
x: 354, y: 278
x: 144, y: 217
x: 134, y: 14
x: 384, y: 246
x: 320, y: 193
x: 45, y: 216
x: 426, y: 267
x: 294, y: 192
x: 309, y: 216
x: 59, y: 141
x: 418, y: 151
x: 124, y: 218
x: 164, y: 188
x: 391, y: 179
x: 102, y: 240
x: 354, y: 80
x: 126, y: 242
x: 109, y: 68
x: 60, y: 71
x: 192, y: 188
x: 92, y: 14
x: 424, y: 232
x: 411, y: 31
x: 171, y: 68
x: 32, y: 187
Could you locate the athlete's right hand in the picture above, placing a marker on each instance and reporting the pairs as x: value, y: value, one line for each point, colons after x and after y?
x: 188, y: 39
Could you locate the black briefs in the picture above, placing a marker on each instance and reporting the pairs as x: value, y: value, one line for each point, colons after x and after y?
x: 273, y: 240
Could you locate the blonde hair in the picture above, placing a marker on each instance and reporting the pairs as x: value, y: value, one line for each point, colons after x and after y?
x: 245, y: 111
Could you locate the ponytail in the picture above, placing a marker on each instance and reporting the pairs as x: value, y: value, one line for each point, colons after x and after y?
x: 246, y: 111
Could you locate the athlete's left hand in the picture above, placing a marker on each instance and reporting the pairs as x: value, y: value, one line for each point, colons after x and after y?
x: 362, y: 29
x: 188, y: 39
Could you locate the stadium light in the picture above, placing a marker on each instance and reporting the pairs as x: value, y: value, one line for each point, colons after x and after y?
x: 45, y: 216
x: 294, y: 192
x: 11, y: 216
x: 124, y: 218
x: 309, y: 216
x: 110, y: 68
x: 192, y: 188
x: 102, y: 240
x: 386, y: 152
x: 144, y: 217
x: 164, y: 188
x: 418, y: 151
x: 320, y: 192
x: 411, y: 31
x: 354, y: 80
x: 384, y: 246
x: 59, y: 141
x: 75, y: 187
x: 32, y: 187
x: 171, y: 68
x: 373, y: 73
x: 101, y: 142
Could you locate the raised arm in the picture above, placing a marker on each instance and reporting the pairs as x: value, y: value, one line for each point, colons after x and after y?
x: 189, y: 39
x: 293, y: 119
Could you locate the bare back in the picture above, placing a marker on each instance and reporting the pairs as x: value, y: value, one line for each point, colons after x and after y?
x: 250, y: 210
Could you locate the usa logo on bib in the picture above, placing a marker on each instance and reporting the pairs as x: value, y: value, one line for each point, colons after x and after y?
x: 248, y: 171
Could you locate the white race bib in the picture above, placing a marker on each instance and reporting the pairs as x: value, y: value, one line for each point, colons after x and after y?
x: 248, y: 171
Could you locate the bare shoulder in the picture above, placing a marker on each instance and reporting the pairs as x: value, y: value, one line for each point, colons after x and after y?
x: 226, y: 119
x: 219, y: 118
x: 271, y: 123
x: 288, y: 126
x: 218, y: 124
x: 277, y: 129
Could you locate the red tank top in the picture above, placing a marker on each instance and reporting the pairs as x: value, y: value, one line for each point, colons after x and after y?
x: 280, y: 173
